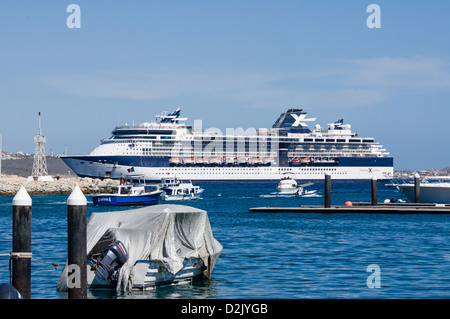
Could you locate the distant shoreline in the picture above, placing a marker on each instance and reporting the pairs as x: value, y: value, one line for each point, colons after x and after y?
x: 10, y: 184
x: 17, y: 167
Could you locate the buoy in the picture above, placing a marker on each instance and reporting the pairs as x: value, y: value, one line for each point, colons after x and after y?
x: 348, y: 203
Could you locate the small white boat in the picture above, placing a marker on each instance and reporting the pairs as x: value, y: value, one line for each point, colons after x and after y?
x: 305, y: 193
x: 148, y: 247
x: 433, y: 189
x: 288, y: 185
x: 176, y: 189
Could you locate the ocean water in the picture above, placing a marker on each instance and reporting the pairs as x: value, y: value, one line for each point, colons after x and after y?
x: 273, y: 255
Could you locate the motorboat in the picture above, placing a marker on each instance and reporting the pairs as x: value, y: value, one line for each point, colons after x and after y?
x: 305, y: 193
x: 288, y: 185
x: 131, y: 191
x: 148, y: 247
x: 433, y: 189
x: 176, y: 189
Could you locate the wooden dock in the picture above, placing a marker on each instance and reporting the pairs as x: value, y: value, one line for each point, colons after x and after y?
x: 361, y: 208
x: 364, y: 208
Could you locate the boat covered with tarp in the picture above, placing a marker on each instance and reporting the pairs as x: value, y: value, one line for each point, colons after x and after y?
x: 148, y: 247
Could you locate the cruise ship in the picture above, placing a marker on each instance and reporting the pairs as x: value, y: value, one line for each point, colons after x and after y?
x: 169, y: 147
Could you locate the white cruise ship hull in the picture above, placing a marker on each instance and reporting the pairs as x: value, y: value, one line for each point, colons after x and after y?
x: 96, y: 169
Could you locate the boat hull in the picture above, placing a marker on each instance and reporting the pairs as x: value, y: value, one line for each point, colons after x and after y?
x: 429, y: 193
x: 118, y: 200
x: 286, y: 190
x: 149, y: 274
x: 181, y: 197
x: 95, y: 167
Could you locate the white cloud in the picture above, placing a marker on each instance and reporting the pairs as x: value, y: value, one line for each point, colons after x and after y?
x: 408, y: 74
x: 346, y: 83
x: 158, y: 84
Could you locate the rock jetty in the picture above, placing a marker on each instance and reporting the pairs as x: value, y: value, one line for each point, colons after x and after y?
x: 10, y: 185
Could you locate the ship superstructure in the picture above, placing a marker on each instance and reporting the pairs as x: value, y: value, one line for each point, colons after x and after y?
x: 169, y: 147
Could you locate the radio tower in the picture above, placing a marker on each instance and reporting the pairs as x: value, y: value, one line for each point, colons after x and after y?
x: 39, y: 163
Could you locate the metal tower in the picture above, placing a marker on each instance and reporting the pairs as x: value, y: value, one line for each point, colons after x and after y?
x: 39, y: 163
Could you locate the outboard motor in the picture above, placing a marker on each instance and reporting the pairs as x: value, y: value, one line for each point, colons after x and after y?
x: 112, y: 259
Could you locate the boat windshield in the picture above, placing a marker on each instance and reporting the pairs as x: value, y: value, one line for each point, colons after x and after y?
x: 125, y: 190
x: 150, y: 188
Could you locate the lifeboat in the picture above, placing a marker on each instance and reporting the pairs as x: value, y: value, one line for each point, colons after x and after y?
x: 201, y: 160
x: 242, y: 160
x: 269, y: 160
x: 174, y: 160
x: 215, y: 160
x: 189, y: 160
x: 229, y: 159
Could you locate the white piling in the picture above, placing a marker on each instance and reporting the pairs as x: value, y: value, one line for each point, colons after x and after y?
x: 21, y: 254
x: 76, y: 241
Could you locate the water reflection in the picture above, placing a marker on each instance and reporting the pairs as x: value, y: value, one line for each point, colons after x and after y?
x: 198, y: 288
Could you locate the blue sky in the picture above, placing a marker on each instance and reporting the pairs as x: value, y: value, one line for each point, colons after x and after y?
x: 230, y: 63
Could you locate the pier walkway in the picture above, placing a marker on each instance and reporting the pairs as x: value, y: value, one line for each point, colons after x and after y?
x: 365, y: 208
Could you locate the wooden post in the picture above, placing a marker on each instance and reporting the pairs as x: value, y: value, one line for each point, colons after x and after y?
x: 76, y: 244
x: 327, y: 191
x: 374, y: 191
x: 21, y: 254
x: 417, y: 188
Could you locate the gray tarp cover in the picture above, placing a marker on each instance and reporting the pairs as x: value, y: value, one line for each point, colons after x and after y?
x: 169, y: 233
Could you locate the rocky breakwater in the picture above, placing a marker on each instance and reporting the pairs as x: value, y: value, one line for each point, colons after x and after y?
x: 11, y: 184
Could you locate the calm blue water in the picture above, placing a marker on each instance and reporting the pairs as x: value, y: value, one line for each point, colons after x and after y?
x: 268, y: 255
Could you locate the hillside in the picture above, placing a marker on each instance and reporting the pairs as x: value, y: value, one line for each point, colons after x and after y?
x: 23, y: 165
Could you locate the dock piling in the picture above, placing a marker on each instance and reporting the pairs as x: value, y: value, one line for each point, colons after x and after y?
x: 21, y: 254
x: 327, y: 203
x: 417, y: 188
x: 374, y: 191
x: 76, y: 243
